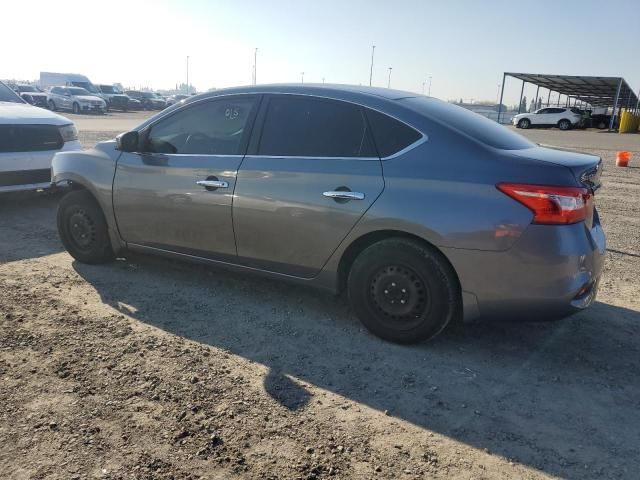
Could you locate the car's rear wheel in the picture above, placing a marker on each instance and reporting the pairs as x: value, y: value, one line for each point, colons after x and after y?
x: 564, y: 124
x: 524, y: 123
x: 601, y: 125
x: 402, y: 291
x: 83, y: 229
x: 52, y: 106
x: 76, y: 107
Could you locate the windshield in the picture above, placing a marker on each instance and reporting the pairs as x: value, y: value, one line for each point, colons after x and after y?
x: 90, y: 87
x: 148, y: 95
x: 8, y: 95
x: 78, y: 91
x: 27, y: 88
x: 476, y: 126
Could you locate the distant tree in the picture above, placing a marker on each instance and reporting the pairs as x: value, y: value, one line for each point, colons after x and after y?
x: 188, y: 89
x: 532, y: 105
x: 523, y: 104
x: 539, y: 103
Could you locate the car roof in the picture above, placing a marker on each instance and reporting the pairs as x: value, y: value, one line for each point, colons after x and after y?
x: 314, y: 89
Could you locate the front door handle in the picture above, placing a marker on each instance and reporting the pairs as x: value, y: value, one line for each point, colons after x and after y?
x: 212, y: 184
x: 344, y: 195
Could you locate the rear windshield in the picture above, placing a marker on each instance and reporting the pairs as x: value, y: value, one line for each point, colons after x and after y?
x: 476, y: 126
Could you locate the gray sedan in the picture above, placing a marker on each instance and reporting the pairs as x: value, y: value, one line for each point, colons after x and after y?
x: 420, y: 211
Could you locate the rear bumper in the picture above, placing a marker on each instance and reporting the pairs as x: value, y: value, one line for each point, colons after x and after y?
x: 550, y: 272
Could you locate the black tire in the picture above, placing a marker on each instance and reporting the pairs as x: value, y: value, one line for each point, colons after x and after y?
x: 601, y: 125
x: 403, y: 291
x: 524, y: 123
x: 76, y: 108
x: 83, y: 229
x: 52, y: 106
x: 564, y: 124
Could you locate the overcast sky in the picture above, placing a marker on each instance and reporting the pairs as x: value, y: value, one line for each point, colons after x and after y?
x: 463, y: 45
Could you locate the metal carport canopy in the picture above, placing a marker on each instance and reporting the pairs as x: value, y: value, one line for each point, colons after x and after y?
x: 596, y: 91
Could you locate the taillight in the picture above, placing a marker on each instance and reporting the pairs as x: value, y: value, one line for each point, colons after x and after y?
x: 551, y: 205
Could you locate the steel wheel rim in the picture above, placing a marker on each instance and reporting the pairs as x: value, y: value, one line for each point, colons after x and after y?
x: 401, y: 296
x: 82, y: 230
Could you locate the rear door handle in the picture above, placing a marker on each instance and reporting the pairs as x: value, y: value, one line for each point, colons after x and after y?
x: 213, y: 183
x: 342, y: 195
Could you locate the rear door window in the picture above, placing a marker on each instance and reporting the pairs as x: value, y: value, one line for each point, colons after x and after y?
x: 311, y: 127
x: 390, y: 135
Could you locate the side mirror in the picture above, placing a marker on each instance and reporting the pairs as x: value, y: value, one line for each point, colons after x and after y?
x: 127, y: 142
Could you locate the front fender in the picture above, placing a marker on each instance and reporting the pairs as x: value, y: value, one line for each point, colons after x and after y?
x: 94, y: 170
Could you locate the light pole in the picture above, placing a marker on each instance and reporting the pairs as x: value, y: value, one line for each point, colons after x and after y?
x: 302, y: 79
x: 373, y: 50
x: 389, y: 81
x: 429, y: 94
x: 323, y: 80
x: 187, y: 74
x: 255, y: 66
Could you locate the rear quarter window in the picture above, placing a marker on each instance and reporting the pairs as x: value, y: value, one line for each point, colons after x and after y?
x: 475, y: 126
x: 390, y: 135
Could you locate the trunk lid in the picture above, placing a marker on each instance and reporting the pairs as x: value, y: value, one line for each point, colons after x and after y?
x: 587, y: 169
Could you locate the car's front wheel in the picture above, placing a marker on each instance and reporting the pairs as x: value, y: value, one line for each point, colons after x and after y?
x: 524, y: 123
x: 76, y: 107
x: 403, y: 291
x: 83, y: 229
x: 52, y: 106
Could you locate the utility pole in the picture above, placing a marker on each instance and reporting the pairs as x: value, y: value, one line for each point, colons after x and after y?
x: 373, y: 50
x: 302, y: 79
x: 389, y: 81
x: 323, y: 80
x: 429, y: 86
x: 188, y: 75
x: 255, y: 66
x: 423, y: 84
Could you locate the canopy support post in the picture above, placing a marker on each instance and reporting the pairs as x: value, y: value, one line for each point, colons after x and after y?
x: 521, y: 93
x: 504, y: 76
x: 615, y: 105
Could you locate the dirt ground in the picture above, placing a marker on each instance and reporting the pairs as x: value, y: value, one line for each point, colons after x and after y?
x: 152, y: 369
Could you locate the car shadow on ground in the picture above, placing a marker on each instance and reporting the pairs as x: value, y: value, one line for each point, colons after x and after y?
x: 560, y: 397
x: 28, y: 225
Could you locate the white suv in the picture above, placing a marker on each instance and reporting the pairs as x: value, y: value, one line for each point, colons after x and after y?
x: 29, y: 138
x: 563, y: 118
x: 76, y: 99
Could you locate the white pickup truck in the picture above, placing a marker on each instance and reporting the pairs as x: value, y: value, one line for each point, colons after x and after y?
x: 29, y: 138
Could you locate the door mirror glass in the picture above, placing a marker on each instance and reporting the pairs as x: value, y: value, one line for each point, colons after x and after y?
x: 127, y: 142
